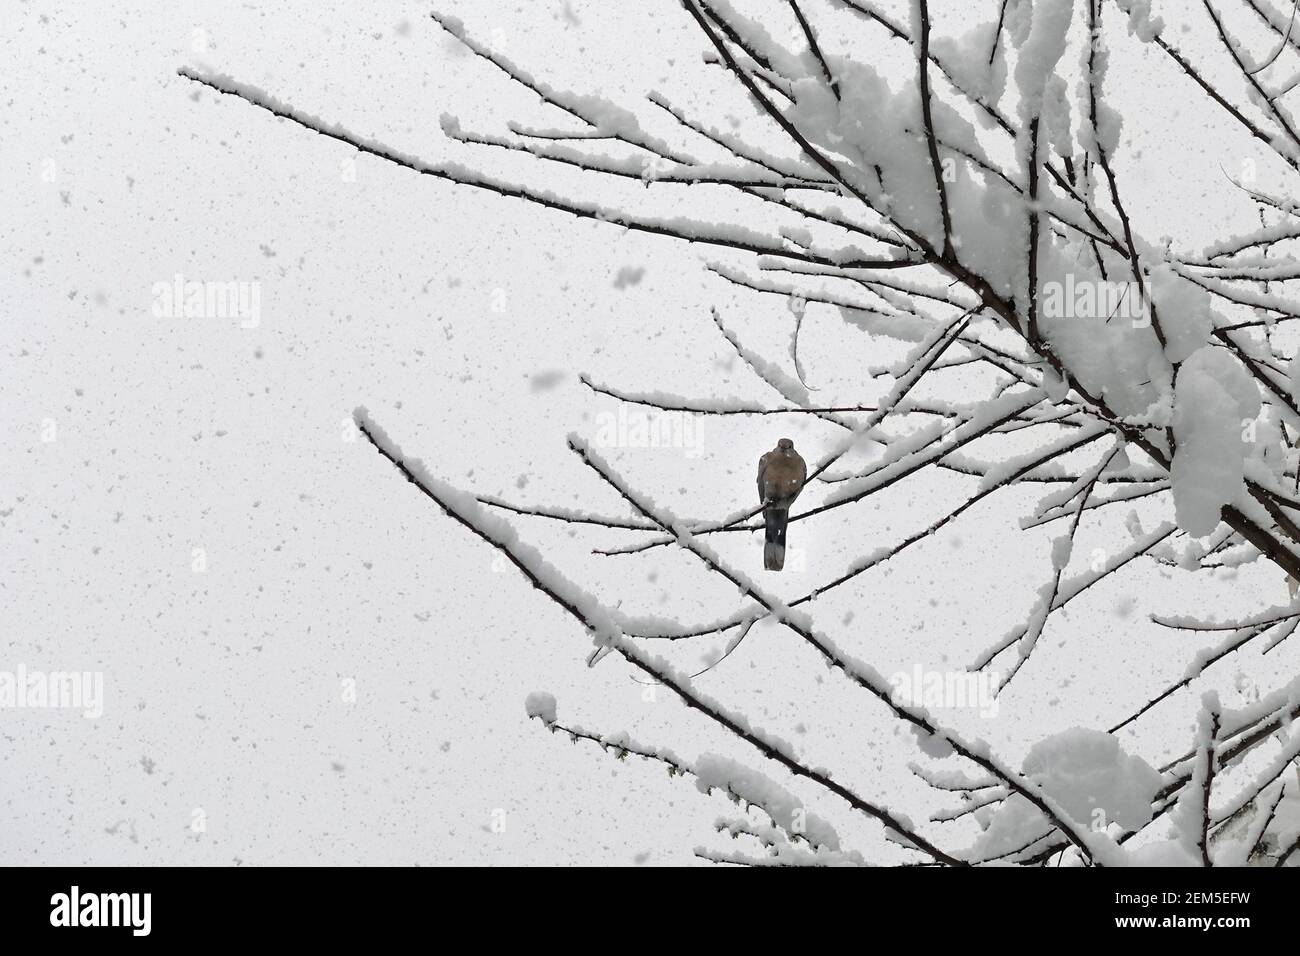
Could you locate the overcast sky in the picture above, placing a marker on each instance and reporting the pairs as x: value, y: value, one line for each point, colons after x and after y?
x: 184, y: 509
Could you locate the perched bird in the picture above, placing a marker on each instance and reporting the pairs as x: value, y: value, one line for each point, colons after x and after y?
x: 781, y: 474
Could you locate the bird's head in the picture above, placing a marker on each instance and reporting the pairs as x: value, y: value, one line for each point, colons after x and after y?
x: 785, y: 445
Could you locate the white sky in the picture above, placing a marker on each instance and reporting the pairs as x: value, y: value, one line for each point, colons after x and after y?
x: 438, y: 307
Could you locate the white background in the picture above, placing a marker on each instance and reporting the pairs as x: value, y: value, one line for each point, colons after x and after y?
x: 224, y: 688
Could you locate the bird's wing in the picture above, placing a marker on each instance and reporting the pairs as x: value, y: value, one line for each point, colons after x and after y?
x: 801, y: 472
x: 762, y: 469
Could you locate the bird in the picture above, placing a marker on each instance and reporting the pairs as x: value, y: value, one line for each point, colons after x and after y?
x: 781, y: 476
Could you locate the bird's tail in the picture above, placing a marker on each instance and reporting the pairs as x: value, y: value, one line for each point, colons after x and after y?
x: 774, y: 545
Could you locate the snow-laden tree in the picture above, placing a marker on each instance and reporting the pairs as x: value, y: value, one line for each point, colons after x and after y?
x: 949, y: 176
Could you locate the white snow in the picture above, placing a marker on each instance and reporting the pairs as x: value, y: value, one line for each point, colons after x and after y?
x: 542, y: 705
x: 1140, y: 21
x: 1040, y: 48
x: 1091, y: 777
x: 1088, y: 771
x: 786, y: 810
x: 1214, y: 398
